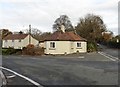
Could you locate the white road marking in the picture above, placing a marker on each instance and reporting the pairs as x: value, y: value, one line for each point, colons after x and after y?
x: 81, y: 57
x: 26, y: 78
x: 12, y: 76
x: 111, y: 56
x: 106, y: 55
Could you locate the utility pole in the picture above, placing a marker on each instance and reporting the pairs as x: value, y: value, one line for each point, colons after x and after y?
x: 29, y: 34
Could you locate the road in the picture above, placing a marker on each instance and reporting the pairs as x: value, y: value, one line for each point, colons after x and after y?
x: 82, y: 69
x: 78, y: 69
x: 110, y: 51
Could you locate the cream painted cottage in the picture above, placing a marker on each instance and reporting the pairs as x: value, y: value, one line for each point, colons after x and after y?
x: 18, y: 41
x: 62, y: 42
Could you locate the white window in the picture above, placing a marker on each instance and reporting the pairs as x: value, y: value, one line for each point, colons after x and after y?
x: 78, y: 44
x: 52, y: 44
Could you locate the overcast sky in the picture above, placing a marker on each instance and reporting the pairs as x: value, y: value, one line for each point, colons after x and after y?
x: 16, y: 15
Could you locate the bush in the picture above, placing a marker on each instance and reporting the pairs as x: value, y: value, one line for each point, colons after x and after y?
x: 30, y: 46
x: 32, y: 50
x: 91, y: 47
x: 114, y: 44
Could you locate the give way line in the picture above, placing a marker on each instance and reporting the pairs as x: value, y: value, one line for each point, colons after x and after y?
x: 24, y: 77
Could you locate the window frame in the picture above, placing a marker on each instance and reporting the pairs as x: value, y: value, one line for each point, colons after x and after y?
x: 52, y: 45
x: 78, y: 44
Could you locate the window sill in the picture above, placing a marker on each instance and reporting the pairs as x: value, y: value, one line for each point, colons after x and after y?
x: 79, y: 48
x: 51, y: 48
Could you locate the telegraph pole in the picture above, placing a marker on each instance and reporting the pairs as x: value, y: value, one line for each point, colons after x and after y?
x: 29, y: 34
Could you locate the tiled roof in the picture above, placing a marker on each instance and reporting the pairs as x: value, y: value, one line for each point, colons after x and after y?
x: 15, y: 36
x: 67, y: 36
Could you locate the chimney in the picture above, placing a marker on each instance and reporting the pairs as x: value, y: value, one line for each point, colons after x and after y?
x: 29, y: 29
x: 75, y: 31
x: 63, y: 28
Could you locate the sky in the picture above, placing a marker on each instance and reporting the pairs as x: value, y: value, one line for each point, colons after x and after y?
x: 16, y: 15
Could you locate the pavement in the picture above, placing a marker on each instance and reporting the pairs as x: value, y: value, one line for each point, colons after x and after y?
x: 82, y: 69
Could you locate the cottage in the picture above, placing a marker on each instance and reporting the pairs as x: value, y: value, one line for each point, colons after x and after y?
x: 18, y: 41
x: 62, y: 42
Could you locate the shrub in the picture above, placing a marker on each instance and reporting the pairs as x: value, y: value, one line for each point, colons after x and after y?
x: 30, y: 46
x: 32, y: 50
x: 113, y: 44
x: 91, y: 47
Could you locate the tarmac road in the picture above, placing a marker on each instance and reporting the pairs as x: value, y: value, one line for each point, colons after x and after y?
x: 110, y: 51
x: 82, y: 69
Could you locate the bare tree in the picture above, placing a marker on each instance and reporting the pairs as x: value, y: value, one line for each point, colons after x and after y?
x: 62, y: 20
x: 36, y: 33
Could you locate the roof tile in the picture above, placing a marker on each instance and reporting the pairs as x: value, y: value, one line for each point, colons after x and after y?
x: 15, y: 36
x: 67, y: 36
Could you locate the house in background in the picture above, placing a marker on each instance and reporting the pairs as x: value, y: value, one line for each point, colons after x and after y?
x: 62, y: 42
x: 18, y: 41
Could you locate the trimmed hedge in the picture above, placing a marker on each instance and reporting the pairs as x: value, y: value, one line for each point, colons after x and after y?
x: 9, y: 51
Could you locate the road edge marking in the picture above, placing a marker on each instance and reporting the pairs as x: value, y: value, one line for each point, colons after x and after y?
x: 81, y: 57
x: 26, y: 78
x: 106, y: 56
x: 111, y: 56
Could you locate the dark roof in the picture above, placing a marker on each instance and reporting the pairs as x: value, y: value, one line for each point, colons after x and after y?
x: 15, y: 36
x: 67, y: 36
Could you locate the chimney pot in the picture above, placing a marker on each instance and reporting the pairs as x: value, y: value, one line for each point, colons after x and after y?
x: 63, y: 28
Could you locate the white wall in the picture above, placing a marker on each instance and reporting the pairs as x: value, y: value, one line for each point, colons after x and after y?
x: 62, y: 47
x: 81, y: 49
x: 42, y: 44
x: 16, y: 44
x: 33, y: 41
x: 19, y: 45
